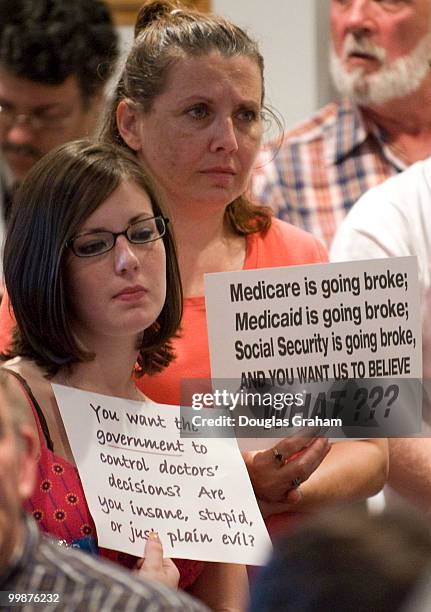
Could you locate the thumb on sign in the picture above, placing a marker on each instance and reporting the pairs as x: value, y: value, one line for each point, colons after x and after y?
x: 156, y: 567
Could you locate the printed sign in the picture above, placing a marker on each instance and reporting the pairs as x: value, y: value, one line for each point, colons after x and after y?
x: 309, y: 328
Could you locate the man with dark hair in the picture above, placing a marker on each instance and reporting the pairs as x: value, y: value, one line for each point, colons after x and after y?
x: 55, y: 59
x: 35, y: 571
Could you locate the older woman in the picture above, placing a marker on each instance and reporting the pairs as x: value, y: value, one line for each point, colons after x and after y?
x: 92, y: 275
x: 190, y: 105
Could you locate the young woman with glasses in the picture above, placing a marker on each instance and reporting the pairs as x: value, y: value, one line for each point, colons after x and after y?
x: 92, y: 275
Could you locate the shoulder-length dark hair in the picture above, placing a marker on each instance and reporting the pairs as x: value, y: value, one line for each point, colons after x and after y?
x: 164, y: 33
x: 57, y: 196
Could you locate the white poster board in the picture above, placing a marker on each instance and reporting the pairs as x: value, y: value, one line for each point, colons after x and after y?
x: 139, y: 475
x: 315, y: 323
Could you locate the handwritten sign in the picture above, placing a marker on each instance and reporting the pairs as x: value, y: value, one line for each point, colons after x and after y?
x: 139, y: 475
x: 315, y: 324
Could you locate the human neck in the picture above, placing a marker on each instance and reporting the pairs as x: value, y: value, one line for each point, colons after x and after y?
x: 109, y: 373
x: 407, y: 123
x: 198, y: 231
x: 205, y: 244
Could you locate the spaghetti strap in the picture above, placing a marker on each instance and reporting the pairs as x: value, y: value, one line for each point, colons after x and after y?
x: 41, y: 421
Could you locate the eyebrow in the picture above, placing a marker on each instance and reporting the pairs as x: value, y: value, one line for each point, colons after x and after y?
x: 37, y: 109
x: 197, y: 98
x: 208, y: 100
x: 140, y: 217
x: 48, y: 107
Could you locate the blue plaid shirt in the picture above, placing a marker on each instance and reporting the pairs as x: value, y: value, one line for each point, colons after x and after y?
x: 323, y: 167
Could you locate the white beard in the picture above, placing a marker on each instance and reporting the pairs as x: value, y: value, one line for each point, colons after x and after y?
x: 398, y: 79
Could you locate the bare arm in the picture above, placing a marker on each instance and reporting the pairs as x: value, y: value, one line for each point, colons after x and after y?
x: 223, y: 587
x: 410, y: 470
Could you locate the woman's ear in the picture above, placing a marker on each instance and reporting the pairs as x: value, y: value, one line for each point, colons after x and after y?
x: 128, y: 124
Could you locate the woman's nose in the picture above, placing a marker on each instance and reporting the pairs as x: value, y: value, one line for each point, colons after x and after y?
x: 125, y: 257
x: 224, y: 137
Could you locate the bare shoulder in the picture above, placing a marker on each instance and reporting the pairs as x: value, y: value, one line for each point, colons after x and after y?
x: 30, y: 372
x: 34, y: 376
x: 41, y: 389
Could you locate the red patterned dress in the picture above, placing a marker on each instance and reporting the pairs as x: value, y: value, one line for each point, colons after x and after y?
x: 59, y: 506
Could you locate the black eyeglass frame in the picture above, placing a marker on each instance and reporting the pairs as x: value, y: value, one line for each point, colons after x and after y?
x: 34, y: 121
x: 70, y: 242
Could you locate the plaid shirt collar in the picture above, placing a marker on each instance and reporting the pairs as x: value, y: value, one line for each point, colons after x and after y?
x: 351, y: 129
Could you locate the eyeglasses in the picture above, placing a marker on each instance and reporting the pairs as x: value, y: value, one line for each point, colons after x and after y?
x: 36, y: 120
x: 90, y: 244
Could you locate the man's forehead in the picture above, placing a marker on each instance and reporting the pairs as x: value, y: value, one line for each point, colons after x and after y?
x: 19, y: 91
x: 418, y: 6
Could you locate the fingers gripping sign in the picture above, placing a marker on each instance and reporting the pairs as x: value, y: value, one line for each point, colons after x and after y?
x: 156, y: 567
x: 277, y: 472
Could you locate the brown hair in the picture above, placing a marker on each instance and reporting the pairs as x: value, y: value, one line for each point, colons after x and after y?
x: 56, y: 197
x: 164, y: 33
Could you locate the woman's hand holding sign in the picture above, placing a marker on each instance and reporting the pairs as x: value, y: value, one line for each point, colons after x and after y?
x: 276, y: 473
x: 156, y: 567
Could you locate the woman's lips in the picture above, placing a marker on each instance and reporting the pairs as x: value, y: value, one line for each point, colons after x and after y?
x: 220, y: 175
x: 219, y: 170
x: 131, y: 294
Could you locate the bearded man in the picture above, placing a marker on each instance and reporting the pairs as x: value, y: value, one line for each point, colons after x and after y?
x: 379, y: 60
